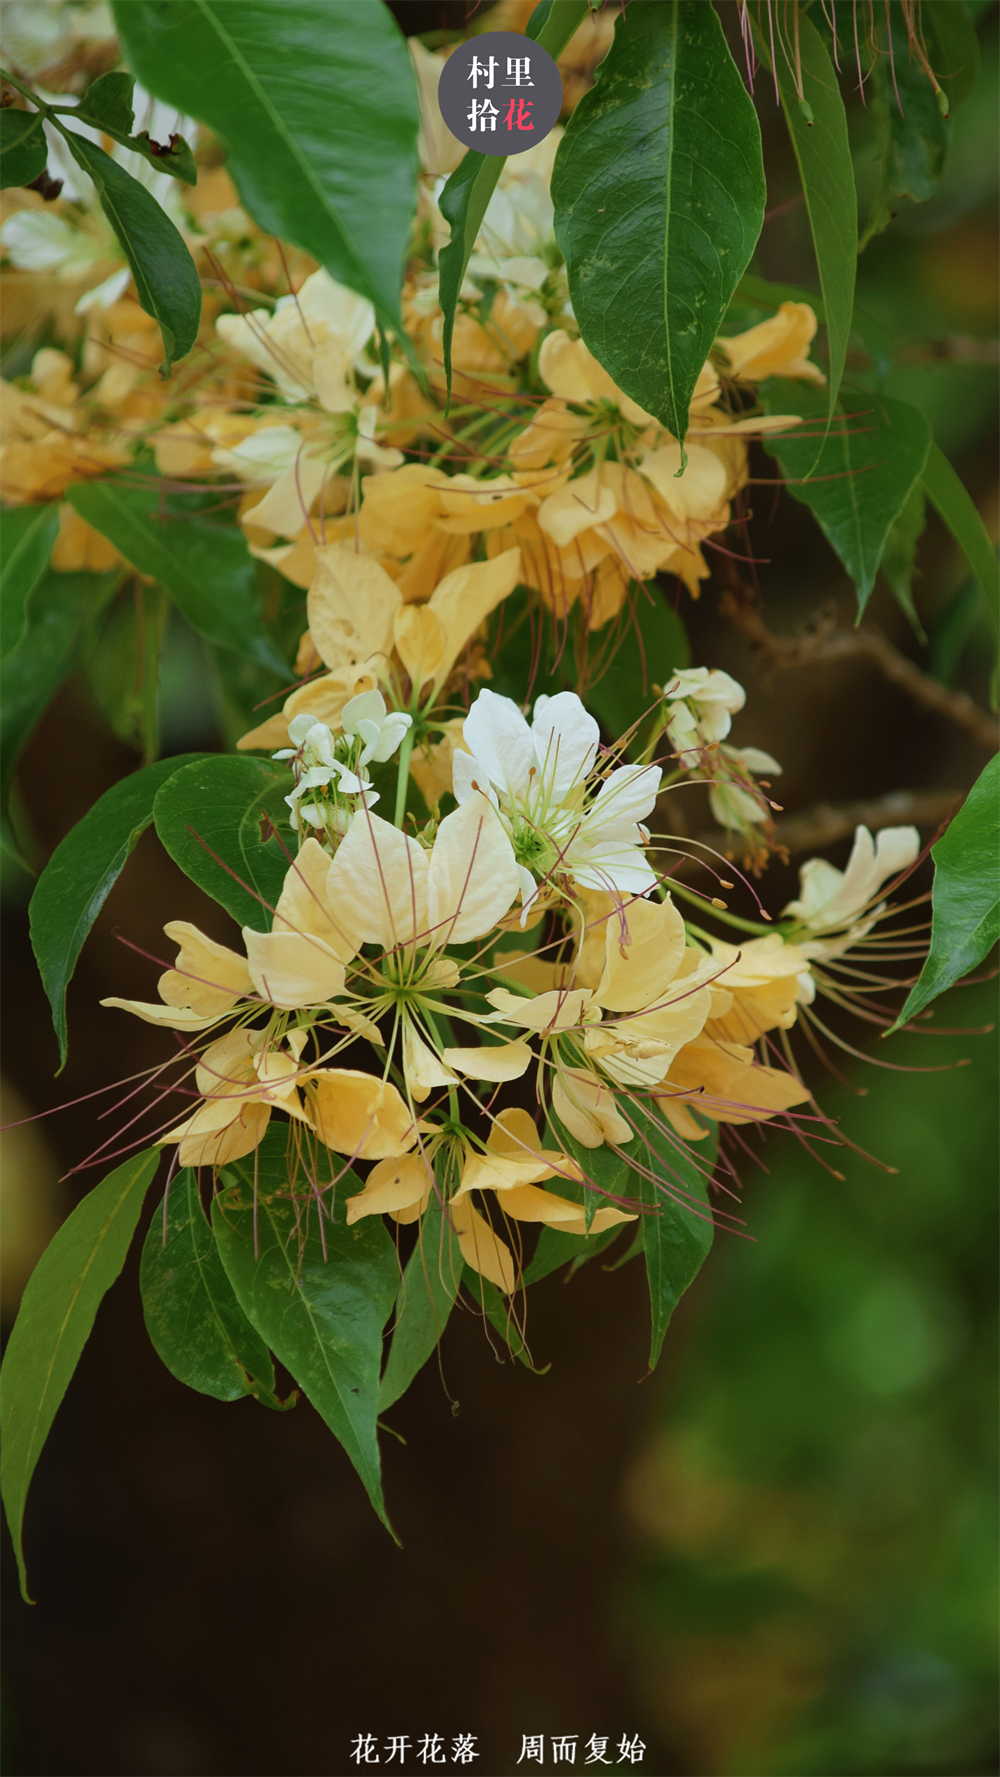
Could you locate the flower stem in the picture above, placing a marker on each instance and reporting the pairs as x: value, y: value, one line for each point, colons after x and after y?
x: 403, y: 778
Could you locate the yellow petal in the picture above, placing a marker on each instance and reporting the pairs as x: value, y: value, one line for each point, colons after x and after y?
x: 420, y: 642
x: 356, y: 1114
x: 351, y: 606
x: 380, y: 876
x: 291, y: 969
x: 587, y: 1108
x: 581, y: 504
x: 305, y: 905
x: 206, y: 976
x: 472, y: 878
x: 422, y: 1069
x: 480, y: 1247
x: 393, y: 1185
x: 559, y: 1010
x: 467, y: 595
x: 644, y: 946
x: 174, y: 1017
x: 504, y: 1061
x: 202, y: 1143
x: 530, y: 1204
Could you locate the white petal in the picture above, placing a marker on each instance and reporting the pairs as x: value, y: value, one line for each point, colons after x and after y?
x: 565, y: 737
x: 500, y: 738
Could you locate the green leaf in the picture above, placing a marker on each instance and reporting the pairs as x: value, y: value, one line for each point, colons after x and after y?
x: 823, y: 153
x: 80, y: 875
x: 659, y: 199
x: 900, y: 554
x: 677, y: 1227
x: 23, y: 148
x: 605, y: 1170
x: 556, y: 1248
x: 316, y: 102
x: 867, y: 467
x: 192, y: 1316
x: 64, y: 1292
x: 501, y: 1313
x: 914, y: 137
x: 34, y: 670
x: 27, y: 536
x: 218, y: 806
x: 965, y: 900
x: 876, y: 338
x: 953, y: 47
x: 624, y: 692
x: 322, y: 1315
x: 107, y: 105
x: 956, y: 506
x: 163, y: 271
x: 122, y: 662
x: 426, y: 1297
x: 207, y: 567
x: 464, y: 199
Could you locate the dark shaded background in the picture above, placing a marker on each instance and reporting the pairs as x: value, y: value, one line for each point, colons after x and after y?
x: 758, y: 1559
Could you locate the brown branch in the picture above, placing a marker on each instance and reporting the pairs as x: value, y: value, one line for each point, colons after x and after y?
x: 813, y: 829
x: 822, y: 641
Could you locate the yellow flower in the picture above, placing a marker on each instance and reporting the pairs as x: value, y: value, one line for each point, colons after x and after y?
x: 766, y: 977
x: 777, y: 347
x: 723, y: 1080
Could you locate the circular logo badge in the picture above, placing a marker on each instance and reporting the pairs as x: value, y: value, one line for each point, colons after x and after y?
x: 500, y: 93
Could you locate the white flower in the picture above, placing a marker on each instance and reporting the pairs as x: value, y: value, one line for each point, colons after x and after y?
x: 337, y: 764
x: 732, y: 797
x: 702, y: 706
x: 831, y: 898
x: 365, y: 717
x: 311, y: 342
x: 538, y: 779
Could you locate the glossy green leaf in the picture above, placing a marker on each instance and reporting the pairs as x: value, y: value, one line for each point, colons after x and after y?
x: 163, y: 271
x: 659, y: 196
x: 211, y: 816
x: 107, y: 105
x: 191, y: 1313
x: 900, y: 554
x: 206, y: 566
x: 655, y: 645
x: 426, y: 1297
x: 316, y: 102
x: 80, y: 875
x: 949, y: 494
x: 57, y: 1311
x: 465, y: 198
x: 27, y: 534
x: 818, y: 129
x: 914, y: 136
x: 23, y: 148
x: 35, y: 668
x: 322, y: 1315
x: 965, y: 898
x: 672, y: 1180
x: 866, y: 468
x: 556, y: 1248
x: 953, y: 47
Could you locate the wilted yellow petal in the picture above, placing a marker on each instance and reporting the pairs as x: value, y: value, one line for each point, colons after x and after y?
x: 206, y: 976
x: 422, y: 1069
x: 204, y: 1143
x: 579, y: 506
x: 174, y: 1017
x: 292, y: 969
x: 527, y: 1203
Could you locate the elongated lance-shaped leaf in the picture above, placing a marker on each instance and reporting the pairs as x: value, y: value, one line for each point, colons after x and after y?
x: 949, y: 494
x: 316, y: 102
x: 212, y: 818
x: 465, y: 198
x: 57, y: 1311
x: 163, y: 271
x: 965, y: 899
x: 23, y: 148
x: 191, y: 1313
x: 899, y: 556
x: 27, y: 534
x: 80, y: 875
x: 320, y: 1311
x: 659, y: 196
x: 107, y: 105
x: 857, y: 478
x: 205, y: 566
x: 425, y: 1300
x: 817, y: 125
x: 556, y: 1248
x: 677, y: 1228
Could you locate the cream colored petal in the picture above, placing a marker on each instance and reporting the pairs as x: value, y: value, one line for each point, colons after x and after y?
x: 699, y: 492
x: 472, y: 878
x: 502, y: 1061
x: 305, y: 905
x: 587, y: 1108
x: 466, y: 597
x: 420, y: 642
x: 291, y: 969
x: 351, y: 605
x: 227, y: 1065
x: 422, y: 1069
x: 644, y: 946
x: 380, y: 876
x: 560, y: 1009
x: 480, y: 1247
x: 356, y: 1114
x: 174, y: 1017
x: 286, y: 506
x: 527, y: 1203
x: 207, y: 977
x: 204, y: 1143
x: 402, y: 1183
x: 579, y: 506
